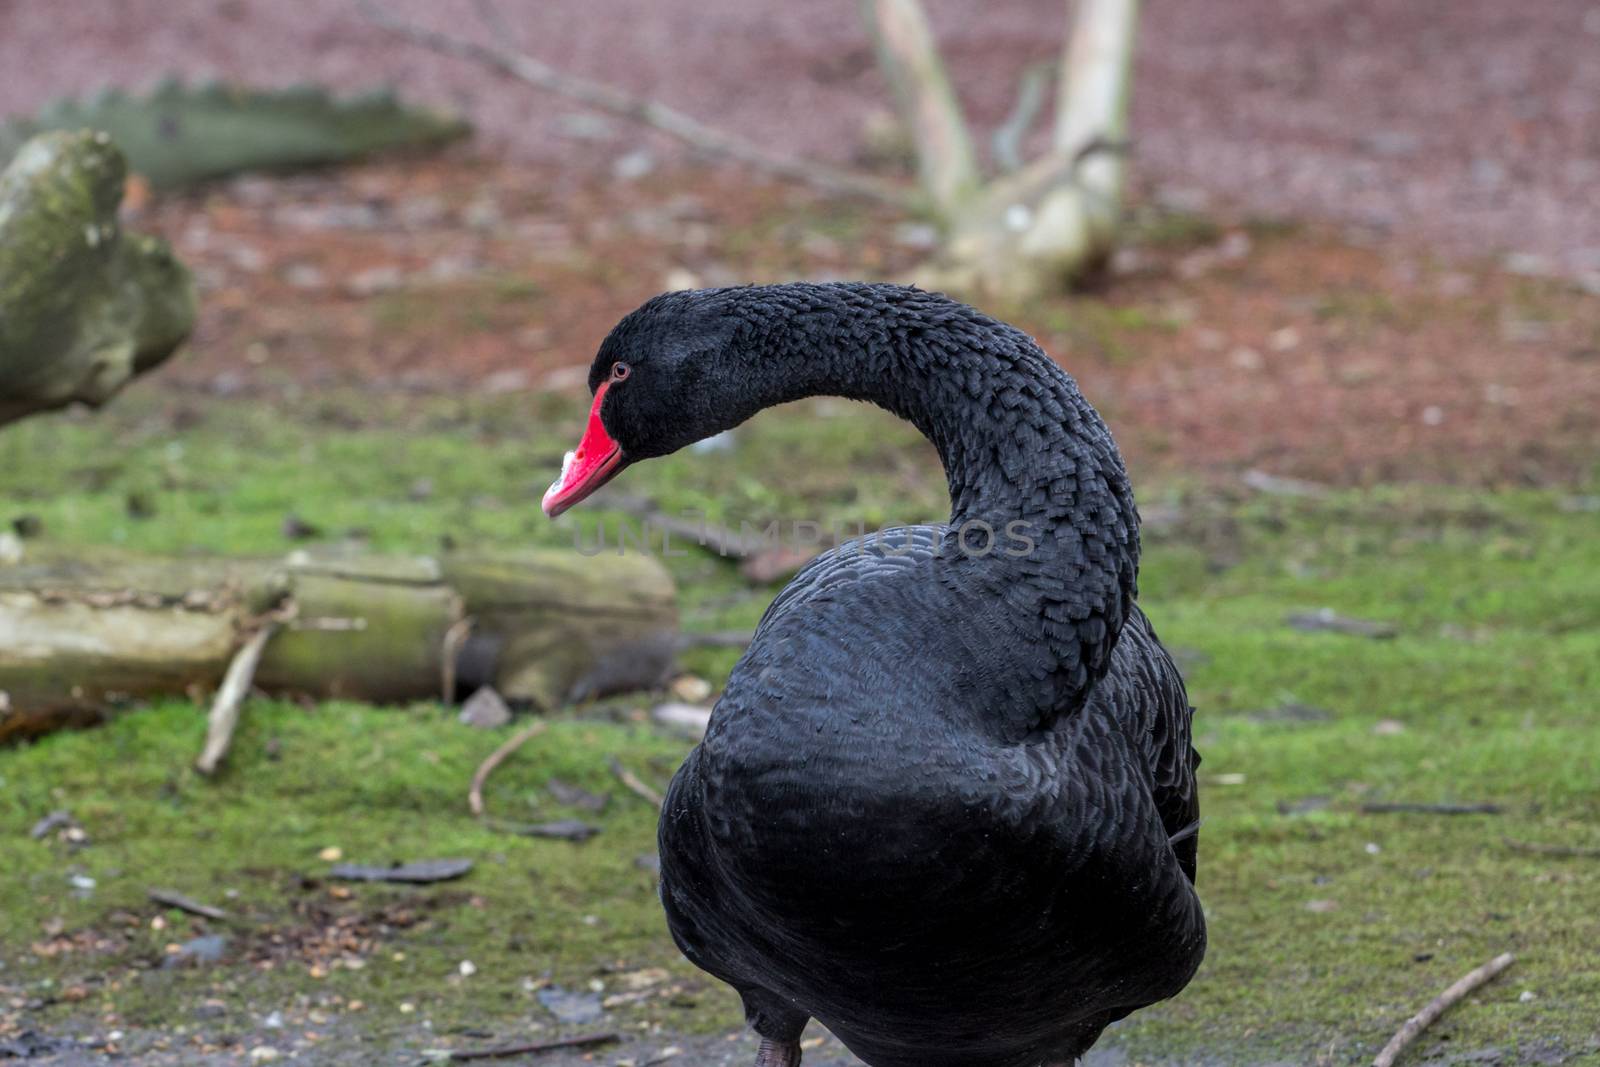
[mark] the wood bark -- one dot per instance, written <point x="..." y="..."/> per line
<point x="83" y="634"/>
<point x="83" y="306"/>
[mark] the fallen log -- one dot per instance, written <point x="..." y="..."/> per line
<point x="84" y="633"/>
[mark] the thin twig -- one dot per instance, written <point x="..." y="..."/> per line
<point x="449" y="653"/>
<point x="581" y="1041"/>
<point x="1538" y="849"/>
<point x="634" y="783"/>
<point x="1406" y="808"/>
<point x="225" y="707"/>
<point x="497" y="757"/>
<point x="1438" y="1006"/>
<point x="1006" y="141"/>
<point x="171" y="898"/>
<point x="668" y="120"/>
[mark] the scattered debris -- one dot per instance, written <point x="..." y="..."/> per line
<point x="532" y="1048"/>
<point x="486" y="709"/>
<point x="1379" y="808"/>
<point x="1388" y="728"/>
<point x="634" y="784"/>
<point x="418" y="872"/>
<point x="30" y="1044"/>
<point x="497" y="757"/>
<point x="171" y="898"/>
<point x="1304" y="805"/>
<point x="570" y="1006"/>
<point x="576" y="796"/>
<point x="1538" y="849"/>
<point x="563" y="829"/>
<point x="60" y="819"/>
<point x="1438" y="1006"/>
<point x="197" y="952"/>
<point x="297" y="529"/>
<point x="689" y="720"/>
<point x="1328" y="621"/>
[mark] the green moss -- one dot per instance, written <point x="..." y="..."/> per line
<point x="1328" y="927"/>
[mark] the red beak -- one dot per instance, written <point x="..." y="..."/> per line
<point x="597" y="459"/>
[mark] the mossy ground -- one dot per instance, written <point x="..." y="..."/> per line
<point x="1328" y="926"/>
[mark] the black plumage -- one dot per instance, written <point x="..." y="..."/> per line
<point x="936" y="805"/>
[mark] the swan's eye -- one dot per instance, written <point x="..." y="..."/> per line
<point x="620" y="372"/>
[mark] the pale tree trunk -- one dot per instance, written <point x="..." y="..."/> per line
<point x="947" y="166"/>
<point x="1045" y="226"/>
<point x="84" y="632"/>
<point x="1035" y="230"/>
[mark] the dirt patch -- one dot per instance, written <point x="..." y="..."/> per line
<point x="1220" y="346"/>
<point x="1470" y="124"/>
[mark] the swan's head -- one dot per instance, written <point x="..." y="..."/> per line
<point x="669" y="374"/>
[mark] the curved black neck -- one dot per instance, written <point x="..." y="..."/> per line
<point x="1018" y="441"/>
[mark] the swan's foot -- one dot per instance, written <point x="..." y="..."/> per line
<point x="778" y="1053"/>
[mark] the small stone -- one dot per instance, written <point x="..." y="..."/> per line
<point x="1246" y="358"/>
<point x="1322" y="907"/>
<point x="634" y="165"/>
<point x="689" y="720"/>
<point x="304" y="276"/>
<point x="569" y="1006"/>
<point x="486" y="709"/>
<point x="197" y="952"/>
<point x="263" y="1054"/>
<point x="467" y="968"/>
<point x="1372" y="848"/>
<point x="681" y="278"/>
<point x="331" y="854"/>
<point x="1284" y="340"/>
<point x="374" y="280"/>
<point x="690" y="688"/>
<point x="1389" y="727"/>
<point x="1527" y="996"/>
<point x="406" y="1007"/>
<point x="1432" y="415"/>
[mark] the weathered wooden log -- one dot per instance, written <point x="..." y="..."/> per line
<point x="83" y="306"/>
<point x="85" y="633"/>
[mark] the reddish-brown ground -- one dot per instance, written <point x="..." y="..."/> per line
<point x="1215" y="348"/>
<point x="1336" y="351"/>
<point x="1472" y="124"/>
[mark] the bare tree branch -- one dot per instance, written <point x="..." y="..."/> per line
<point x="1006" y="141"/>
<point x="230" y="696"/>
<point x="909" y="55"/>
<point x="615" y="101"/>
<point x="480" y="777"/>
<point x="1092" y="100"/>
<point x="1438" y="1006"/>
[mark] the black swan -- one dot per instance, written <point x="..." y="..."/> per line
<point x="946" y="804"/>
